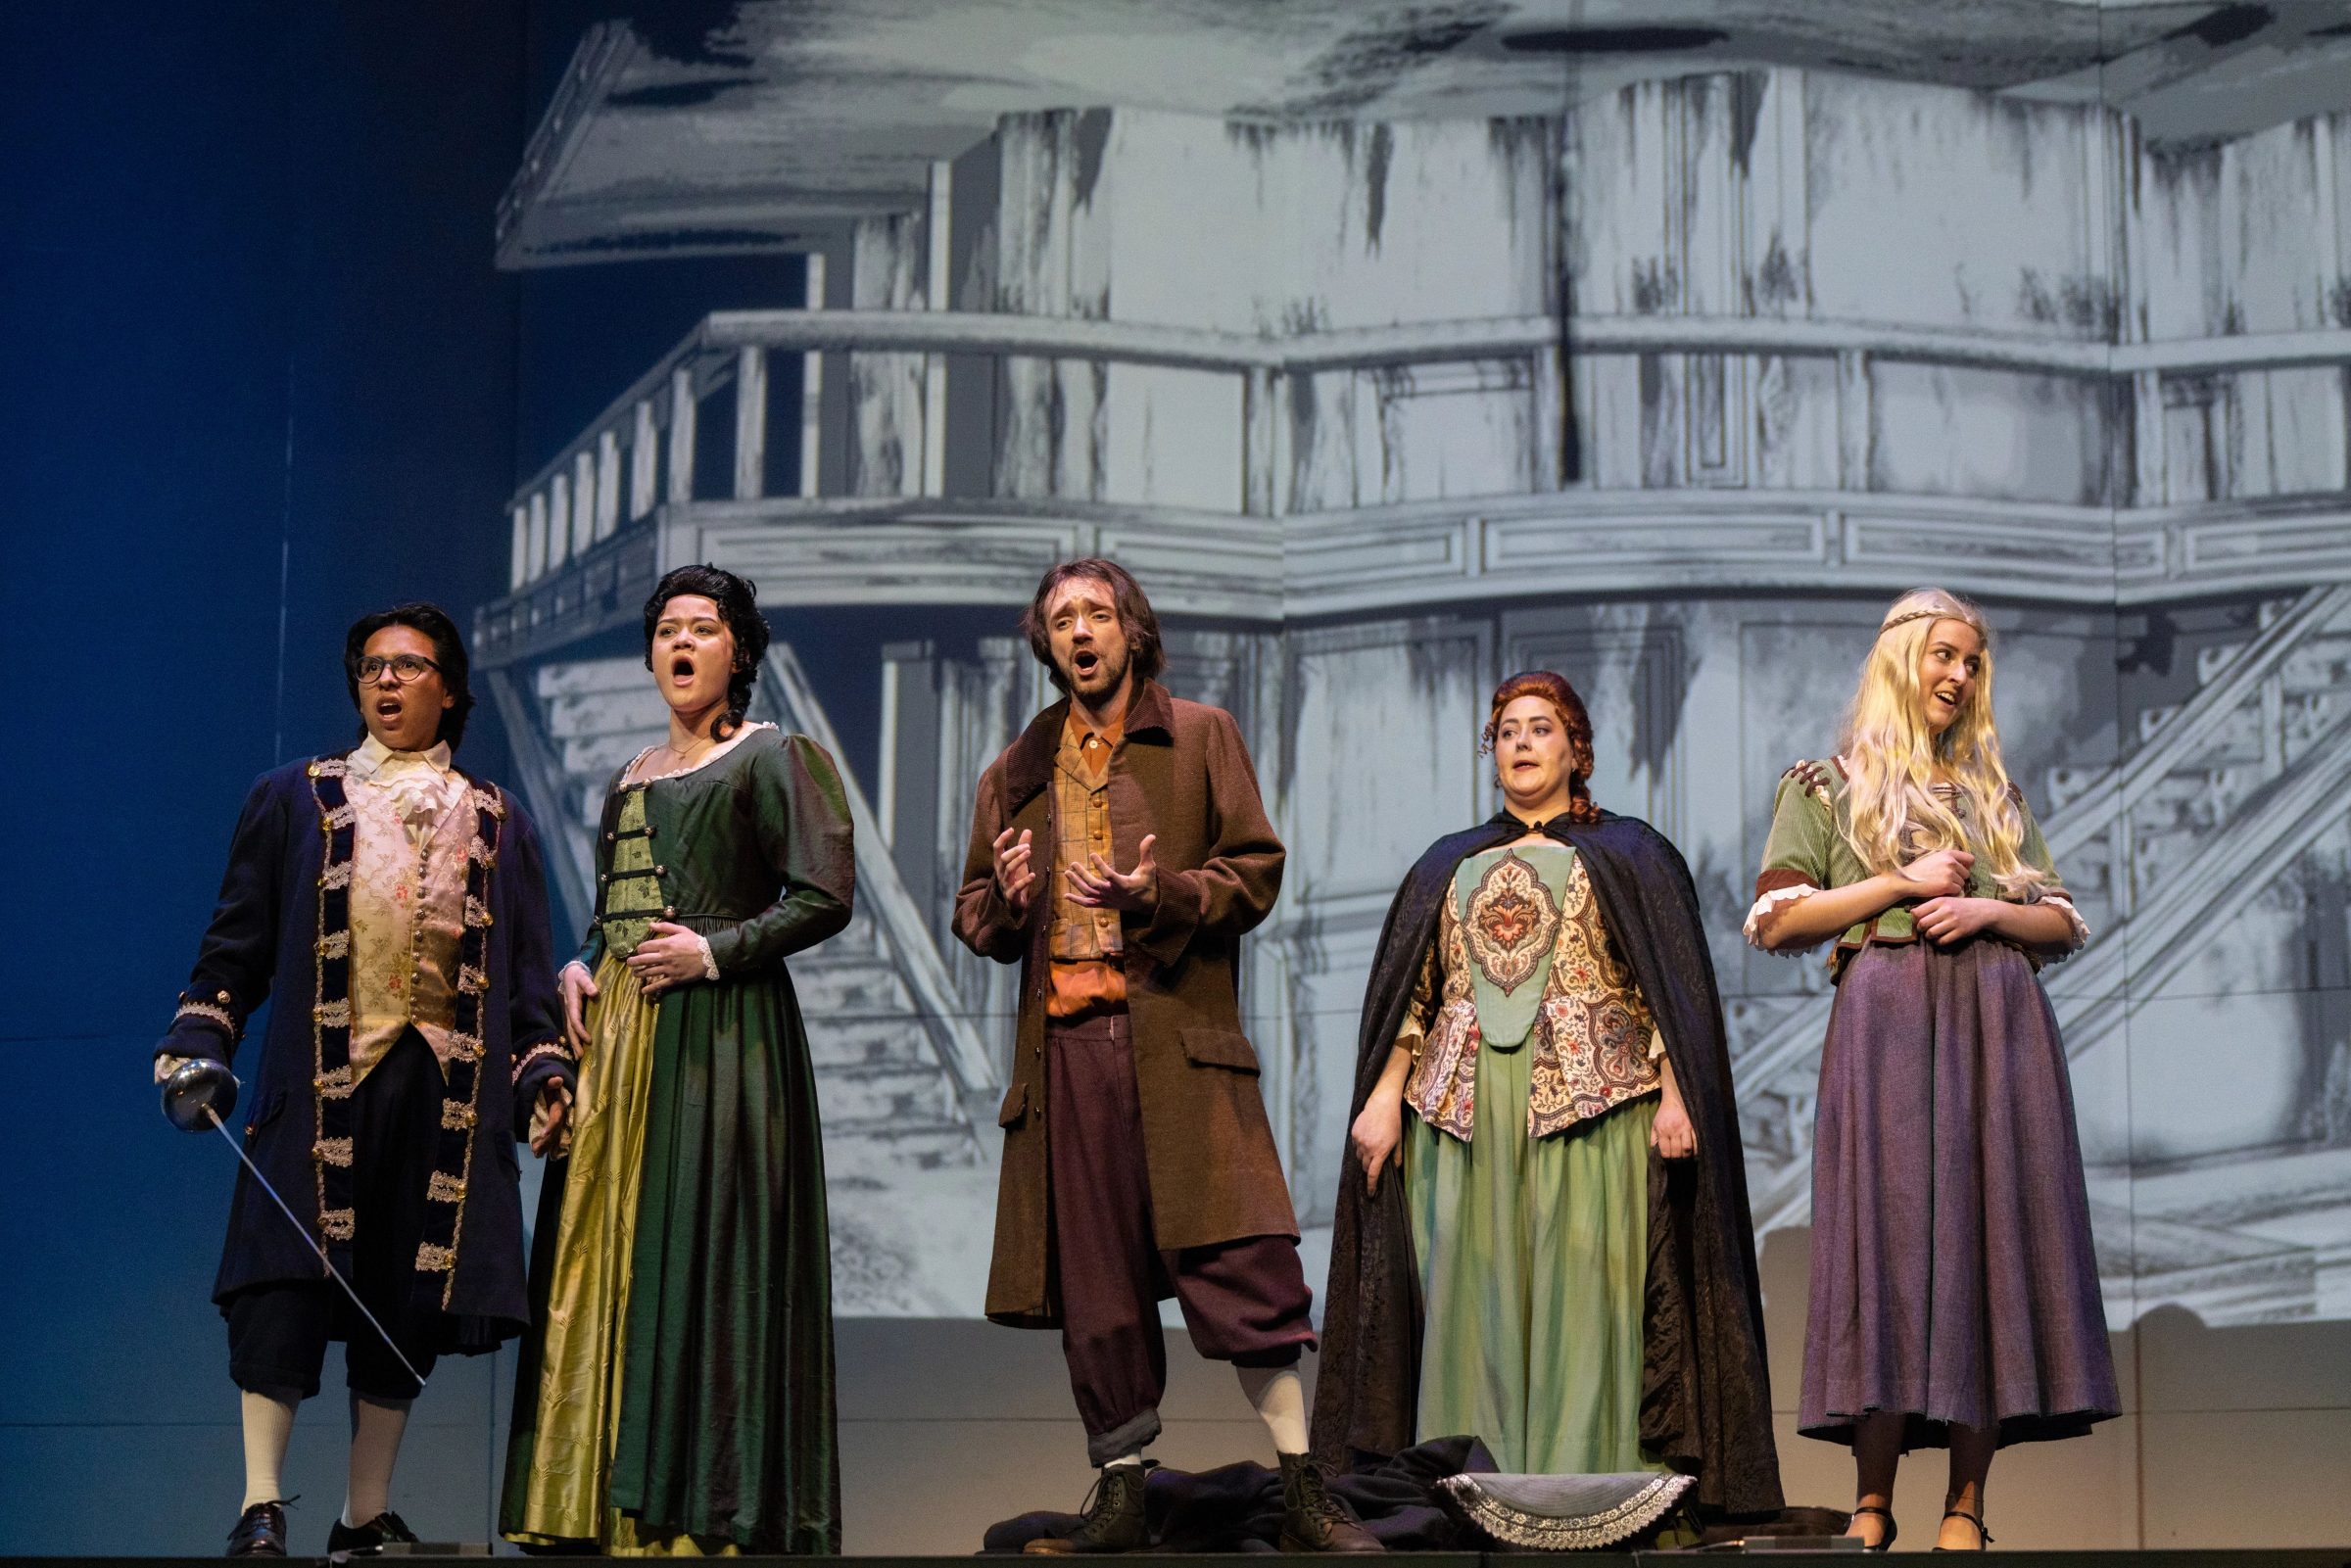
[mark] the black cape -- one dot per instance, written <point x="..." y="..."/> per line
<point x="1705" y="1403"/>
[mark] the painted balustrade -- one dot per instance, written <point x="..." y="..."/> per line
<point x="576" y="503"/>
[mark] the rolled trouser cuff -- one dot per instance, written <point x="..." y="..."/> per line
<point x="1131" y="1436"/>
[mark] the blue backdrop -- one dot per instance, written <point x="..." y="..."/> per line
<point x="264" y="379"/>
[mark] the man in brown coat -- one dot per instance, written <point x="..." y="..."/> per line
<point x="1137" y="1161"/>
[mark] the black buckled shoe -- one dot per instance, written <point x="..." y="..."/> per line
<point x="373" y="1535"/>
<point x="260" y="1532"/>
<point x="1312" y="1519"/>
<point x="1113" y="1519"/>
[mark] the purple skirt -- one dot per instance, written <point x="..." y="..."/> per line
<point x="1953" y="1277"/>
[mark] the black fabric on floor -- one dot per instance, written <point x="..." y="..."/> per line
<point x="1237" y="1507"/>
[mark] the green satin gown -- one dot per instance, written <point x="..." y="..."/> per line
<point x="676" y="1391"/>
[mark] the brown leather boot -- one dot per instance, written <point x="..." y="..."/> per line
<point x="1312" y="1519"/>
<point x="1112" y="1520"/>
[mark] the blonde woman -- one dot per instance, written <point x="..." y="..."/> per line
<point x="1954" y="1287"/>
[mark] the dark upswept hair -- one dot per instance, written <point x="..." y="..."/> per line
<point x="1552" y="687"/>
<point x="1126" y="596"/>
<point x="738" y="602"/>
<point x="448" y="652"/>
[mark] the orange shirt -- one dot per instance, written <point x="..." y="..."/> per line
<point x="1087" y="945"/>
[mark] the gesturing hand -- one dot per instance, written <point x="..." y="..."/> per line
<point x="578" y="986"/>
<point x="1015" y="878"/>
<point x="670" y="955"/>
<point x="1098" y="884"/>
<point x="1952" y="919"/>
<point x="1941" y="874"/>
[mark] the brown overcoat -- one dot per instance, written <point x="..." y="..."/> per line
<point x="1182" y="774"/>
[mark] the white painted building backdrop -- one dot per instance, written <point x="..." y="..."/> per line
<point x="1396" y="347"/>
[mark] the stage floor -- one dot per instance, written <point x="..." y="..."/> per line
<point x="2288" y="1557"/>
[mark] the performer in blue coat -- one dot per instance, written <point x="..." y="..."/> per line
<point x="398" y="908"/>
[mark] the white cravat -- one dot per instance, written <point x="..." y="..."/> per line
<point x="419" y="781"/>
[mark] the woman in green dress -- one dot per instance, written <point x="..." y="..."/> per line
<point x="1542" y="1057"/>
<point x="676" y="1394"/>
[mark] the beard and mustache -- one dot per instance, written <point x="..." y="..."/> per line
<point x="1096" y="667"/>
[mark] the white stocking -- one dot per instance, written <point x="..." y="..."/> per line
<point x="269" y="1427"/>
<point x="376" y="1426"/>
<point x="1280" y="1401"/>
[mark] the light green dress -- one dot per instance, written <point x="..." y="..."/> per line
<point x="1527" y="1174"/>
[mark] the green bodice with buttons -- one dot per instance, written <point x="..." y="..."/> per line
<point x="726" y="1327"/>
<point x="630" y="897"/>
<point x="751" y="851"/>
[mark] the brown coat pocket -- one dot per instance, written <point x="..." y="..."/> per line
<point x="1219" y="1048"/>
<point x="1014" y="1106"/>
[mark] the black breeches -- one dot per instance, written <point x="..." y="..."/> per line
<point x="277" y="1332"/>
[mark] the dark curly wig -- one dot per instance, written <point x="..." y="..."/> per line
<point x="448" y="652"/>
<point x="1553" y="689"/>
<point x="738" y="602"/>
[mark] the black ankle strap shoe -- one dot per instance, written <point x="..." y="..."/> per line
<point x="1982" y="1536"/>
<point x="1884" y="1543"/>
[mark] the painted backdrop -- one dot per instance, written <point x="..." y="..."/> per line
<point x="1398" y="347"/>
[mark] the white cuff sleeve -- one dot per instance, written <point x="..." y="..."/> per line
<point x="1767" y="905"/>
<point x="2073" y="918"/>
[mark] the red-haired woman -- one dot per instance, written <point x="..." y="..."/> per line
<point x="1542" y="1237"/>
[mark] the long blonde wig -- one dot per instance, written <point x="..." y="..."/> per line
<point x="1891" y="757"/>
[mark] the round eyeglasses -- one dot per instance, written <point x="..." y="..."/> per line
<point x="405" y="668"/>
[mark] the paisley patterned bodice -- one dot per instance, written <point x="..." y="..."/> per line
<point x="1523" y="957"/>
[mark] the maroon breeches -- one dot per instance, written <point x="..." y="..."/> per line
<point x="1245" y="1300"/>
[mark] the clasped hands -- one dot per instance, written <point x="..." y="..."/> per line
<point x="1095" y="884"/>
<point x="1947" y="916"/>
